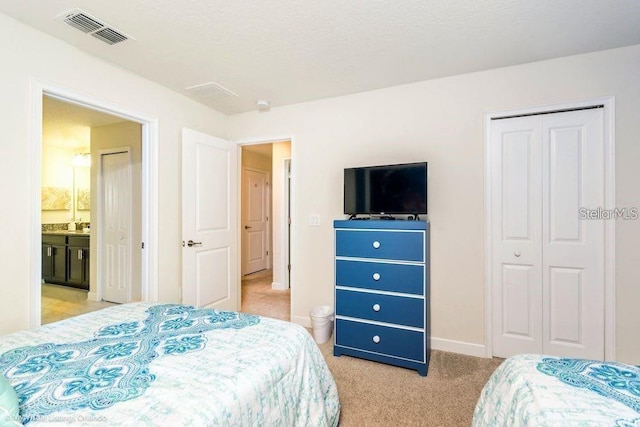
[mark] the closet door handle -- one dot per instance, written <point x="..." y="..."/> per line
<point x="48" y="250"/>
<point x="517" y="254"/>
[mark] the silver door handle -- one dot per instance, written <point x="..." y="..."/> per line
<point x="246" y="227"/>
<point x="192" y="243"/>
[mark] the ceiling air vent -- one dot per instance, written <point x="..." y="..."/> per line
<point x="88" y="24"/>
<point x="109" y="35"/>
<point x="210" y="91"/>
<point x="83" y="22"/>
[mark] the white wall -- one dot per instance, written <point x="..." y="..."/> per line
<point x="41" y="57"/>
<point x="441" y="121"/>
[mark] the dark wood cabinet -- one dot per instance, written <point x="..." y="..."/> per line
<point x="65" y="260"/>
<point x="54" y="258"/>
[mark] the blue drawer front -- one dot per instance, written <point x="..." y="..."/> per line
<point x="403" y="278"/>
<point x="397" y="245"/>
<point x="390" y="309"/>
<point x="392" y="341"/>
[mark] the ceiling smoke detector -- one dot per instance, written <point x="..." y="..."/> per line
<point x="91" y="25"/>
<point x="263" y="105"/>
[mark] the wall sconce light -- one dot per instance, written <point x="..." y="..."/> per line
<point x="82" y="160"/>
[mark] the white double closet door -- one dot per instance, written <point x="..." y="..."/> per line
<point x="547" y="262"/>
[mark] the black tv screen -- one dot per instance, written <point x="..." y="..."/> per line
<point x="389" y="189"/>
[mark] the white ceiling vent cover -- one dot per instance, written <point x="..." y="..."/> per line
<point x="210" y="91"/>
<point x="86" y="23"/>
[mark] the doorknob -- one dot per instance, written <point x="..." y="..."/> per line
<point x="517" y="253"/>
<point x="192" y="243"/>
<point x="247" y="227"/>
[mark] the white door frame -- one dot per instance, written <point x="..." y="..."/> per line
<point x="288" y="182"/>
<point x="609" y="226"/>
<point x="282" y="266"/>
<point x="149" y="188"/>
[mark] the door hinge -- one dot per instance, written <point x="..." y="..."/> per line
<point x="142" y="245"/>
<point x="289" y="267"/>
<point x="267" y="252"/>
<point x="267" y="219"/>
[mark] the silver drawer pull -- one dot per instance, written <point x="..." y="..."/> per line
<point x="376" y="244"/>
<point x="376" y="276"/>
<point x="376" y="339"/>
<point x="376" y="307"/>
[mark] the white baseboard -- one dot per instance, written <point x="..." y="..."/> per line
<point x="92" y="296"/>
<point x="469" y="349"/>
<point x="278" y="286"/>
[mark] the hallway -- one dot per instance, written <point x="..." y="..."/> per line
<point x="258" y="297"/>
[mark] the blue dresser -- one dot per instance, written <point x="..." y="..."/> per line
<point x="382" y="291"/>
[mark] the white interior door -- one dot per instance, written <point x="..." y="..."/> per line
<point x="573" y="248"/>
<point x="548" y="280"/>
<point x="209" y="221"/>
<point x="254" y="227"/>
<point x="115" y="169"/>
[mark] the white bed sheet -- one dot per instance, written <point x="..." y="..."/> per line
<point x="269" y="373"/>
<point x="535" y="390"/>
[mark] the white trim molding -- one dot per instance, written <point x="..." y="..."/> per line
<point x="150" y="228"/>
<point x="609" y="200"/>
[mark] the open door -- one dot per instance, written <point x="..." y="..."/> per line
<point x="209" y="221"/>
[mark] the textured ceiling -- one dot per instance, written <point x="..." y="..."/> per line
<point x="289" y="51"/>
<point x="63" y="121"/>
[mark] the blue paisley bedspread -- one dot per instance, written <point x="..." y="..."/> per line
<point x="533" y="390"/>
<point x="146" y="364"/>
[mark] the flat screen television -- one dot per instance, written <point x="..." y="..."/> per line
<point x="386" y="190"/>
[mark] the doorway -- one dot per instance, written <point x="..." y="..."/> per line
<point x="75" y="142"/>
<point x="42" y="93"/>
<point x="550" y="281"/>
<point x="265" y="202"/>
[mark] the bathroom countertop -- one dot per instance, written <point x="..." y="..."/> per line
<point x="67" y="233"/>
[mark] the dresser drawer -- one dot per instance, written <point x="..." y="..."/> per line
<point x="390" y="341"/>
<point x="396" y="245"/>
<point x="381" y="308"/>
<point x="379" y="276"/>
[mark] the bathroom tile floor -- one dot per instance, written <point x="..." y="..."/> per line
<point x="60" y="302"/>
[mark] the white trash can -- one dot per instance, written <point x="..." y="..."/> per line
<point x="321" y="323"/>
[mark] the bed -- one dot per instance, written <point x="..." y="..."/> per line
<point x="169" y="364"/>
<point x="534" y="390"/>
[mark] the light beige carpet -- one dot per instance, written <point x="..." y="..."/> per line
<point x="374" y="394"/>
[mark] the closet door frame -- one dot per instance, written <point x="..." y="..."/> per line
<point x="608" y="104"/>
